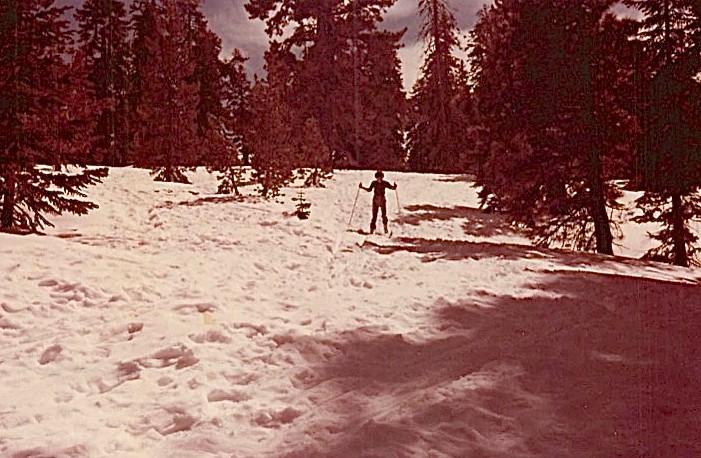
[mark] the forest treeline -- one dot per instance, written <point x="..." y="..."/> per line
<point x="550" y="104"/>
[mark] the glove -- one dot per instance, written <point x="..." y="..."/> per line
<point x="360" y="185"/>
<point x="395" y="184"/>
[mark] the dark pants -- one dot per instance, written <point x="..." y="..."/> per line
<point x="378" y="204"/>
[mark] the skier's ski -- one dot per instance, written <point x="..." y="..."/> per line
<point x="364" y="232"/>
<point x="372" y="239"/>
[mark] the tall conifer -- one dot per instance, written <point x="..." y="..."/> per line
<point x="273" y="132"/>
<point x="45" y="120"/>
<point x="205" y="48"/>
<point x="236" y="104"/>
<point x="166" y="135"/>
<point x="378" y="127"/>
<point x="102" y="39"/>
<point x="548" y="98"/>
<point x="142" y="25"/>
<point x="330" y="37"/>
<point x="669" y="159"/>
<point x="438" y="135"/>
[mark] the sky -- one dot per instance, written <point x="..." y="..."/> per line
<point x="229" y="20"/>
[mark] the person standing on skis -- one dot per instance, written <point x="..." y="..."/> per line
<point x="378" y="200"/>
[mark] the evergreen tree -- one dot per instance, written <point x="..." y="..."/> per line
<point x="302" y="207"/>
<point x="207" y="74"/>
<point x="166" y="135"/>
<point x="437" y="138"/>
<point x="329" y="36"/>
<point x="142" y="26"/>
<point x="669" y="159"/>
<point x="45" y="120"/>
<point x="273" y="133"/>
<point x="548" y="98"/>
<point x="73" y="119"/>
<point x="236" y="94"/>
<point x="102" y="38"/>
<point x="313" y="154"/>
<point x="378" y="126"/>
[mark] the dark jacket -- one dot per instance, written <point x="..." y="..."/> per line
<point x="379" y="189"/>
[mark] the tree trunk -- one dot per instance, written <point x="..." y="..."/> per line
<point x="594" y="144"/>
<point x="8" y="200"/>
<point x="602" y="227"/>
<point x="678" y="232"/>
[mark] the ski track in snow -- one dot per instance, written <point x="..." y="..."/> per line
<point x="172" y="322"/>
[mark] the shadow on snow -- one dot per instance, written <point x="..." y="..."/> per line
<point x="593" y="365"/>
<point x="476" y="222"/>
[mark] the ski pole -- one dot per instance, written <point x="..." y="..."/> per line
<point x="399" y="209"/>
<point x="353" y="211"/>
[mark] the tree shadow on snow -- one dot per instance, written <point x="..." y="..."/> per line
<point x="456" y="178"/>
<point x="457" y="250"/>
<point x="431" y="250"/>
<point x="476" y="222"/>
<point x="594" y="365"/>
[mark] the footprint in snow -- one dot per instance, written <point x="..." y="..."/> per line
<point x="124" y="372"/>
<point x="178" y="355"/>
<point x="198" y="307"/>
<point x="275" y="419"/>
<point x="211" y="336"/>
<point x="50" y="354"/>
<point x="11" y="308"/>
<point x="360" y="283"/>
<point x="8" y="325"/>
<point x="218" y="395"/>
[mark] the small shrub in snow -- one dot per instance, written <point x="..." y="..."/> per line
<point x="302" y="209"/>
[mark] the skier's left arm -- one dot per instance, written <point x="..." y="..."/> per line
<point x="391" y="186"/>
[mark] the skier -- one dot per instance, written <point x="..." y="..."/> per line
<point x="378" y="199"/>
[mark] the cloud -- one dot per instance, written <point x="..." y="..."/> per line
<point x="405" y="13"/>
<point x="230" y="21"/>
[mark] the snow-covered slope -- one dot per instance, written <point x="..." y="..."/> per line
<point x="175" y="323"/>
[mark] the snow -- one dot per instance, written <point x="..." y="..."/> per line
<point x="173" y="322"/>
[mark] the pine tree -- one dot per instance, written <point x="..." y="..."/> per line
<point x="302" y="207"/>
<point x="236" y="100"/>
<point x="207" y="75"/>
<point x="142" y="26"/>
<point x="273" y="133"/>
<point x="328" y="36"/>
<point x="437" y="137"/>
<point x="166" y="135"/>
<point x="549" y="101"/>
<point x="378" y="126"/>
<point x="236" y="94"/>
<point x="102" y="38"/>
<point x="313" y="154"/>
<point x="45" y="120"/>
<point x="669" y="159"/>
